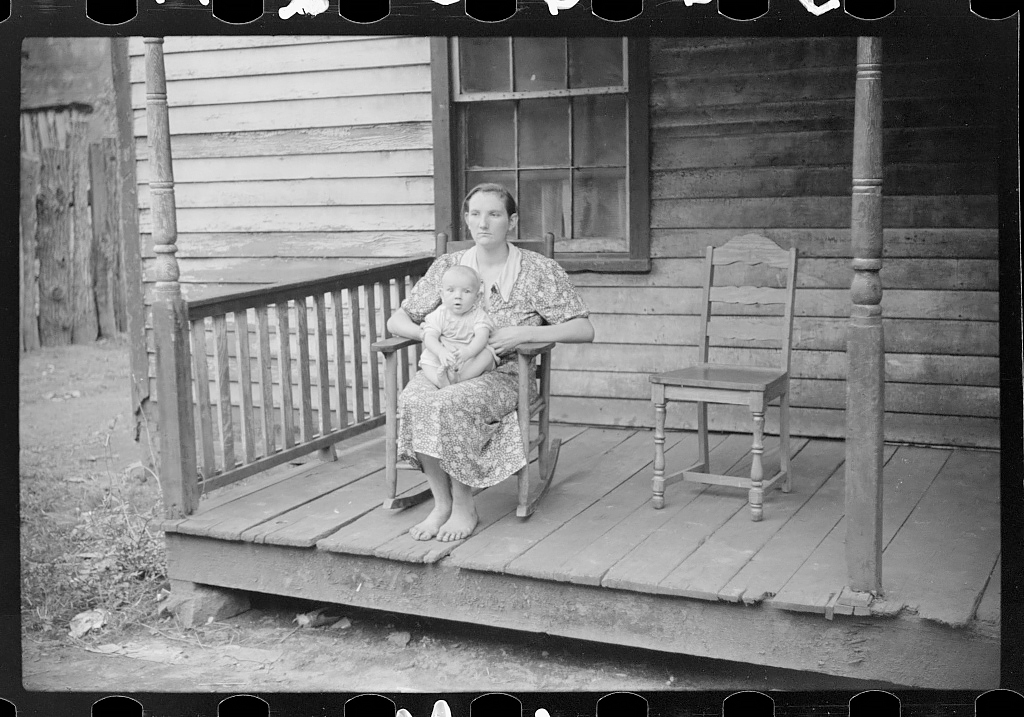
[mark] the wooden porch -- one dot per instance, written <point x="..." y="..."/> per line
<point x="597" y="562"/>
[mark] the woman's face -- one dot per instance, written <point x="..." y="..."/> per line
<point x="488" y="220"/>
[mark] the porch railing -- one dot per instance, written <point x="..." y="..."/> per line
<point x="278" y="372"/>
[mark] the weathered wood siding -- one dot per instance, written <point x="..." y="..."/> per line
<point x="293" y="156"/>
<point x="756" y="135"/>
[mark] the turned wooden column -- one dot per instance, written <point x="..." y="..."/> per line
<point x="170" y="313"/>
<point x="865" y="347"/>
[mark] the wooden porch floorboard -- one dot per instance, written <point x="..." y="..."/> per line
<point x="706" y="571"/>
<point x="596" y="526"/>
<point x="941" y="558"/>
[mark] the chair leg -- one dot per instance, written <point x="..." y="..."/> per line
<point x="756" y="467"/>
<point x="702" y="436"/>
<point x="391" y="426"/>
<point x="784" y="442"/>
<point x="660" y="408"/>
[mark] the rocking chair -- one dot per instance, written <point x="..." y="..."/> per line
<point x="750" y="386"/>
<point x="547" y="449"/>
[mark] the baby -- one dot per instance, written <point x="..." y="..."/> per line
<point x="455" y="333"/>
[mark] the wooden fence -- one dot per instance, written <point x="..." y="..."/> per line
<point x="70" y="253"/>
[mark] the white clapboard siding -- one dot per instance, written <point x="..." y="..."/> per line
<point x="293" y="157"/>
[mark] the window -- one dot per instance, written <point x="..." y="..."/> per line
<point x="563" y="123"/>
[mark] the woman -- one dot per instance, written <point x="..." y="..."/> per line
<point x="466" y="436"/>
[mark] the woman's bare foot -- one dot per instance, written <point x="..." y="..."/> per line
<point x="463" y="517"/>
<point x="429" y="527"/>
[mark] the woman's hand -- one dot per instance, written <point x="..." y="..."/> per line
<point x="506" y="339"/>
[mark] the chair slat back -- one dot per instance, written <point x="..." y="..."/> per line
<point x="751" y="305"/>
<point x="545" y="246"/>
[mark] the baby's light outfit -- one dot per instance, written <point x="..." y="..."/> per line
<point x="456" y="331"/>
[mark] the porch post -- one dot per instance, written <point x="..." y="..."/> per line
<point x="170" y="313"/>
<point x="865" y="352"/>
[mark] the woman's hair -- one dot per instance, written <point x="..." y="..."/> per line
<point x="491" y="188"/>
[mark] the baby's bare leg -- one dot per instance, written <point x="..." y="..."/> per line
<point x="436" y="376"/>
<point x="476" y="366"/>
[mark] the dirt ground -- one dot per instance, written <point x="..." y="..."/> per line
<point x="76" y="433"/>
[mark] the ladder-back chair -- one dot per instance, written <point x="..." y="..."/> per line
<point x="539" y="407"/>
<point x="743" y="260"/>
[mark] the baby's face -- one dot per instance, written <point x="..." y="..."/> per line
<point x="459" y="293"/>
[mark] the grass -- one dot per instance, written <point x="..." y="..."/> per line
<point x="88" y="541"/>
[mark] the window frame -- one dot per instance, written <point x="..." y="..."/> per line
<point x="448" y="206"/>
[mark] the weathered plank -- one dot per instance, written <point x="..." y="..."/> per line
<point x="937" y="399"/>
<point x="896" y="303"/>
<point x="106" y="233"/>
<point x="592" y="465"/>
<point x="589" y="565"/>
<point x="201" y="384"/>
<point x="787" y="549"/>
<point x="400" y="79"/>
<point x="899" y="179"/>
<point x="906" y="477"/>
<point x="223" y="383"/>
<point x="826" y="423"/>
<point x="84" y="327"/>
<point x="953" y="211"/>
<point x="330" y="218"/>
<point x="385" y="533"/>
<point x="230" y="520"/>
<point x="54" y="246"/>
<point x="266" y="378"/>
<point x="366" y="52"/>
<point x="661" y="550"/>
<point x="296" y="114"/>
<point x="725" y="552"/>
<point x="816" y="148"/>
<point x="319" y="192"/>
<point x="245" y="380"/>
<point x="316" y="522"/>
<point x="284" y="246"/>
<point x="958" y="521"/>
<point x="28" y="254"/>
<point x="914" y="368"/>
<point x="913" y="242"/>
<point x="555" y="555"/>
<point x="402" y="144"/>
<point x="176" y="45"/>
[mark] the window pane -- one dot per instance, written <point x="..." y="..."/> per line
<point x="544" y="133"/>
<point x="599" y="130"/>
<point x="483" y="64"/>
<point x="506" y="179"/>
<point x="544" y="203"/>
<point x="599" y="203"/>
<point x="595" y="62"/>
<point x="490" y="139"/>
<point x="539" y="63"/>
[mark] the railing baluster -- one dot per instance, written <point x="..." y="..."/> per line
<point x="266" y="380"/>
<point x="284" y="362"/>
<point x="227" y="429"/>
<point x="202" y="382"/>
<point x="245" y="382"/>
<point x="305" y="388"/>
<point x="323" y="371"/>
<point x="371" y="332"/>
<point x="339" y="357"/>
<point x="357" y="353"/>
<point x="405" y="353"/>
<point x="316" y="433"/>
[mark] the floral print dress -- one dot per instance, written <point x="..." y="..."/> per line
<point x="471" y="427"/>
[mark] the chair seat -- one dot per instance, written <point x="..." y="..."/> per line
<point x="709" y="375"/>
